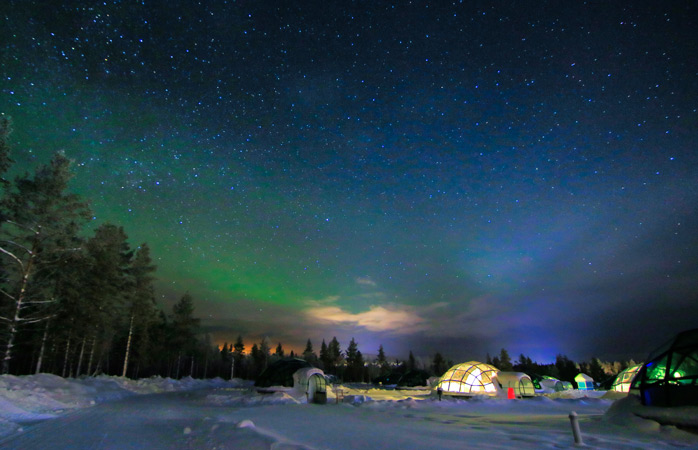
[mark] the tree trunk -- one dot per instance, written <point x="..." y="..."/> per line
<point x="92" y="354"/>
<point x="179" y="357"/>
<point x="128" y="347"/>
<point x="67" y="352"/>
<point x="82" y="355"/>
<point x="43" y="347"/>
<point x="14" y="322"/>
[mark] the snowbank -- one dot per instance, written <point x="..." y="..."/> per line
<point x="32" y="398"/>
<point x="221" y="414"/>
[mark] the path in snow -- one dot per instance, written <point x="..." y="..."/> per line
<point x="212" y="419"/>
<point x="157" y="421"/>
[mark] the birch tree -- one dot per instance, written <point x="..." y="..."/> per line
<point x="105" y="290"/>
<point x="141" y="308"/>
<point x="40" y="220"/>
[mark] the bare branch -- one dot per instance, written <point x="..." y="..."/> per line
<point x="38" y="302"/>
<point x="11" y="255"/>
<point x="26" y="249"/>
<point x="18" y="225"/>
<point x="8" y="294"/>
<point x="37" y="320"/>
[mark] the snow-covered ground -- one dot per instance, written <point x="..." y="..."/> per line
<point x="45" y="411"/>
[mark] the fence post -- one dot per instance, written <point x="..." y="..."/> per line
<point x="574" y="421"/>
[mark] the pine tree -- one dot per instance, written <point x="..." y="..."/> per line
<point x="355" y="362"/>
<point x="438" y="365"/>
<point x="185" y="327"/>
<point x="309" y="354"/>
<point x="5" y="160"/>
<point x="382" y="361"/>
<point x="256" y="361"/>
<point x="265" y="353"/>
<point x="334" y="356"/>
<point x="105" y="290"/>
<point x="504" y="361"/>
<point x="596" y="370"/>
<point x="39" y="223"/>
<point x="279" y="352"/>
<point x="141" y="308"/>
<point x="225" y="353"/>
<point x="238" y="356"/>
<point x="411" y="362"/>
<point x="325" y="361"/>
<point x="566" y="368"/>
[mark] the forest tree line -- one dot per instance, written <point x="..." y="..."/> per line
<point x="77" y="302"/>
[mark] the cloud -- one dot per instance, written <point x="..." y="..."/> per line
<point x="398" y="319"/>
<point x="366" y="281"/>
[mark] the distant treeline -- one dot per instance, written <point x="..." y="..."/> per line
<point x="563" y="368"/>
<point x="76" y="303"/>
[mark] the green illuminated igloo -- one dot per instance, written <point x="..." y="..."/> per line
<point x="670" y="375"/>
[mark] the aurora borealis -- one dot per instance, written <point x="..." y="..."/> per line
<point x="430" y="176"/>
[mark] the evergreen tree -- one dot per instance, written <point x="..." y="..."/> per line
<point x="504" y="362"/>
<point x="382" y="362"/>
<point x="185" y="328"/>
<point x="334" y="356"/>
<point x="359" y="367"/>
<point x="141" y="307"/>
<point x="39" y="223"/>
<point x="5" y="160"/>
<point x="238" y="356"/>
<point x="411" y="362"/>
<point x="105" y="289"/>
<point x="226" y="353"/>
<point x="566" y="368"/>
<point x="325" y="361"/>
<point x="438" y="365"/>
<point x="595" y="370"/>
<point x="68" y="292"/>
<point x="279" y="351"/>
<point x="265" y="353"/>
<point x="256" y="361"/>
<point x="353" y="371"/>
<point x="526" y="365"/>
<point x="309" y="355"/>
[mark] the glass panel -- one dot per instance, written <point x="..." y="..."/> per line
<point x="656" y="370"/>
<point x="685" y="365"/>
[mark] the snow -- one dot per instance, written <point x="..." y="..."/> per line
<point x="46" y="411"/>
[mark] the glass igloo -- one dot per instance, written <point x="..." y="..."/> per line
<point x="470" y="378"/>
<point x="625" y="378"/>
<point x="670" y="375"/>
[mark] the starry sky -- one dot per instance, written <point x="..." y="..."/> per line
<point x="430" y="176"/>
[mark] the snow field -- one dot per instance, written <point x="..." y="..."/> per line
<point x="112" y="412"/>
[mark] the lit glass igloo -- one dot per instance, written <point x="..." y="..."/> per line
<point x="625" y="378"/>
<point x="470" y="378"/>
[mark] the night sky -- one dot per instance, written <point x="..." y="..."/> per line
<point x="429" y="176"/>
